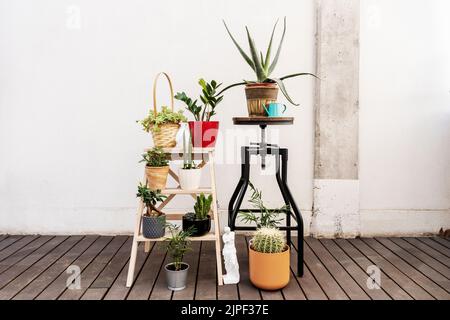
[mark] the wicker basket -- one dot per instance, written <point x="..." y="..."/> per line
<point x="166" y="133"/>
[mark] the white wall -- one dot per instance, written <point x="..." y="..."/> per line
<point x="71" y="90"/>
<point x="404" y="116"/>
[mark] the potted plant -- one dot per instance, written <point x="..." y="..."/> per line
<point x="190" y="174"/>
<point x="164" y="126"/>
<point x="153" y="221"/>
<point x="203" y="130"/>
<point x="156" y="168"/>
<point x="177" y="245"/>
<point x="200" y="219"/>
<point x="264" y="89"/>
<point x="269" y="255"/>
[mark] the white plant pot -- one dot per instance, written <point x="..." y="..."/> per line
<point x="190" y="178"/>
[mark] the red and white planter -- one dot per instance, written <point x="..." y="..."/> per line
<point x="204" y="133"/>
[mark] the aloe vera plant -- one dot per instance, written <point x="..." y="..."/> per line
<point x="261" y="64"/>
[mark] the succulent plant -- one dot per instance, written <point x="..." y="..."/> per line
<point x="202" y="206"/>
<point x="188" y="158"/>
<point x="155" y="157"/>
<point x="262" y="65"/>
<point x="268" y="240"/>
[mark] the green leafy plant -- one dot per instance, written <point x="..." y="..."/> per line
<point x="150" y="199"/>
<point x="178" y="244"/>
<point x="268" y="240"/>
<point x="266" y="217"/>
<point x="202" y="206"/>
<point x="209" y="98"/>
<point x="155" y="157"/>
<point x="152" y="122"/>
<point x="188" y="156"/>
<point x="261" y="64"/>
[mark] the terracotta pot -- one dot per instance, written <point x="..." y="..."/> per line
<point x="258" y="95"/>
<point x="269" y="271"/>
<point x="157" y="177"/>
<point x="204" y="133"/>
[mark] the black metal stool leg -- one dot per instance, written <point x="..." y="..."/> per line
<point x="239" y="193"/>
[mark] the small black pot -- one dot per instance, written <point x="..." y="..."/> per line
<point x="153" y="227"/>
<point x="202" y="227"/>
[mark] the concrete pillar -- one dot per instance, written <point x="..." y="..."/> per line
<point x="336" y="187"/>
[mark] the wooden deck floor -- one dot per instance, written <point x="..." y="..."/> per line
<point x="34" y="267"/>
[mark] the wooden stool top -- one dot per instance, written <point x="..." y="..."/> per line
<point x="263" y="120"/>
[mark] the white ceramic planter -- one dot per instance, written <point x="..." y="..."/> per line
<point x="189" y="178"/>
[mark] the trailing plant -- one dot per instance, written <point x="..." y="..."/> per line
<point x="266" y="217"/>
<point x="261" y="64"/>
<point x="152" y="122"/>
<point x="188" y="156"/>
<point x="150" y="199"/>
<point x="155" y="157"/>
<point x="202" y="206"/>
<point x="178" y="244"/>
<point x="209" y="98"/>
<point x="268" y="240"/>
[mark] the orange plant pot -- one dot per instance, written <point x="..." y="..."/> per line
<point x="157" y="177"/>
<point x="269" y="271"/>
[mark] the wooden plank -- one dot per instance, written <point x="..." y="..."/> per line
<point x="428" y="285"/>
<point x="3" y="237"/>
<point x="90" y="273"/>
<point x="57" y="287"/>
<point x="16" y="246"/>
<point x="433" y="263"/>
<point x="143" y="285"/>
<point x="436" y="246"/>
<point x="394" y="273"/>
<point x="40" y="283"/>
<point x="246" y="290"/>
<point x="23" y="253"/>
<point x="160" y="290"/>
<point x="442" y="241"/>
<point x="308" y="283"/>
<point x="119" y="290"/>
<point x="206" y="280"/>
<point x="429" y="250"/>
<point x="323" y="277"/>
<point x="6" y="242"/>
<point x="356" y="271"/>
<point x="429" y="272"/>
<point x="387" y="284"/>
<point x="114" y="266"/>
<point x="346" y="282"/>
<point x="35" y="264"/>
<point x="94" y="294"/>
<point x="192" y="258"/>
<point x="293" y="290"/>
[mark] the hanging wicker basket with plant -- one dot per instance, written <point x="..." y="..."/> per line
<point x="163" y="125"/>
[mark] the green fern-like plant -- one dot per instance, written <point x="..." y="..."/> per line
<point x="155" y="157"/>
<point x="263" y="65"/>
<point x="202" y="206"/>
<point x="152" y="122"/>
<point x="268" y="240"/>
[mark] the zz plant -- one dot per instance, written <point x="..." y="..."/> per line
<point x="202" y="206"/>
<point x="209" y="98"/>
<point x="264" y="65"/>
<point x="268" y="240"/>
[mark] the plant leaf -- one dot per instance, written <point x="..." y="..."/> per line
<point x="277" y="55"/>
<point x="258" y="67"/>
<point x="269" y="49"/>
<point x="244" y="55"/>
<point x="230" y="86"/>
<point x="283" y="90"/>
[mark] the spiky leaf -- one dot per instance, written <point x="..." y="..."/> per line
<point x="283" y="90"/>
<point x="277" y="55"/>
<point x="244" y="55"/>
<point x="258" y="67"/>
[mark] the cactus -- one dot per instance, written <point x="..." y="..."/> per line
<point x="268" y="240"/>
<point x="202" y="206"/>
<point x="188" y="162"/>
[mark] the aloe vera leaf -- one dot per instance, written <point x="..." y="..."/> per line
<point x="283" y="90"/>
<point x="277" y="55"/>
<point x="258" y="67"/>
<point x="244" y="55"/>
<point x="269" y="49"/>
